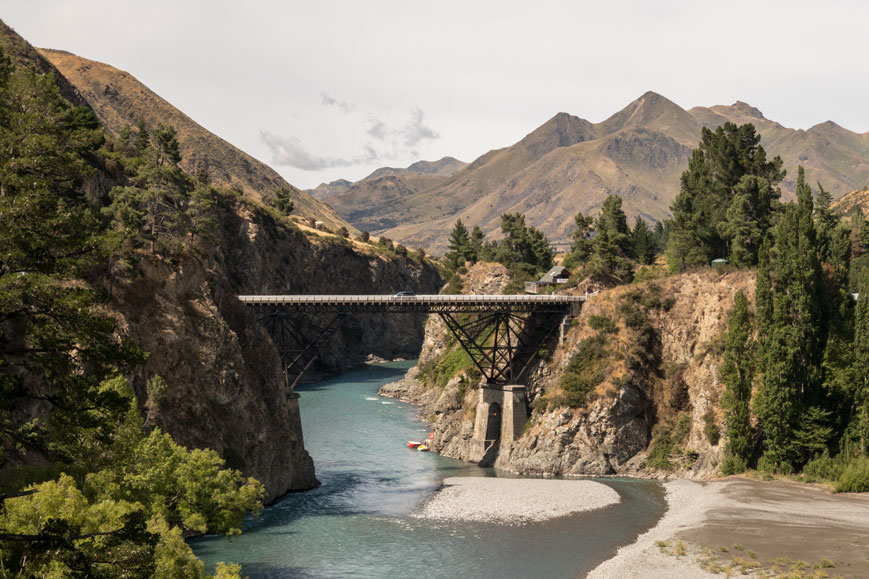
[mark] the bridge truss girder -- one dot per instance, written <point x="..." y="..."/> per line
<point x="495" y="340"/>
<point x="298" y="344"/>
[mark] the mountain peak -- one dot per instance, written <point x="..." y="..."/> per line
<point x="652" y="111"/>
<point x="747" y="110"/>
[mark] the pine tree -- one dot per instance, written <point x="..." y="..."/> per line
<point x="701" y="229"/>
<point x="643" y="243"/>
<point x="737" y="374"/>
<point x="582" y="246"/>
<point x="612" y="244"/>
<point x="793" y="328"/>
<point x="861" y="360"/>
<point x="460" y="245"/>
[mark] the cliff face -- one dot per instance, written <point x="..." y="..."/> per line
<point x="226" y="390"/>
<point x="628" y="414"/>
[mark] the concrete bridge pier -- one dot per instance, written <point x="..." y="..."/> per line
<point x="502" y="411"/>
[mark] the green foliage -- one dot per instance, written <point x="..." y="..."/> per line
<point x="612" y="247"/>
<point x="439" y="371"/>
<point x="282" y="201"/>
<point x="791" y="326"/>
<point x="459" y="249"/>
<point x="710" y="427"/>
<point x="587" y="368"/>
<point x="95" y="509"/>
<point x="727" y="199"/>
<point x="737" y="374"/>
<point x="855" y="476"/>
<point x="667" y="440"/>
<point x="643" y="243"/>
<point x="603" y="324"/>
<point x="524" y="248"/>
<point x="581" y="249"/>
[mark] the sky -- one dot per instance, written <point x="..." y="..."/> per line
<point x="323" y="90"/>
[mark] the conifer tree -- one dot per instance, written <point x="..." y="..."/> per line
<point x="861" y="360"/>
<point x="582" y="246"/>
<point x="460" y="245"/>
<point x="642" y="242"/>
<point x="790" y="317"/>
<point x="701" y="227"/>
<point x="737" y="374"/>
<point x="612" y="244"/>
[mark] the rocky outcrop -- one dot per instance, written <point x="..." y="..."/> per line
<point x="226" y="390"/>
<point x="611" y="433"/>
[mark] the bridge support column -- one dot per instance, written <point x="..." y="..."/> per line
<point x="502" y="411"/>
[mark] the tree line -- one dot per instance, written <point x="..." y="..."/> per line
<point x="89" y="488"/>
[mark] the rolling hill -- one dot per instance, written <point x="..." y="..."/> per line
<point x="118" y="99"/>
<point x="569" y="164"/>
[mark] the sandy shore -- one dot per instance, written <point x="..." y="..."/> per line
<point x="515" y="501"/>
<point x="748" y="527"/>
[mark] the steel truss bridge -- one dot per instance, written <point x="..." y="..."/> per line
<point x="497" y="331"/>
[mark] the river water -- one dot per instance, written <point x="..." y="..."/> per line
<point x="358" y="523"/>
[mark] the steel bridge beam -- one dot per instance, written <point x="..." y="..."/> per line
<point x="493" y="330"/>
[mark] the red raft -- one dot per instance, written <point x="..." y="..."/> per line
<point x="413" y="443"/>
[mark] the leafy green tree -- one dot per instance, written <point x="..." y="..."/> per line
<point x="523" y="248"/>
<point x="166" y="146"/>
<point x="282" y="200"/>
<point x="582" y="247"/>
<point x="737" y="374"/>
<point x="460" y="245"/>
<point x="643" y="244"/>
<point x="476" y="242"/>
<point x="701" y="228"/>
<point x="143" y="137"/>
<point x="612" y="244"/>
<point x="787" y="403"/>
<point x="861" y="360"/>
<point x="826" y="222"/>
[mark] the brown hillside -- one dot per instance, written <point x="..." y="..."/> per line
<point x="22" y="53"/>
<point x="851" y="201"/>
<point x="119" y="99"/>
<point x="569" y="164"/>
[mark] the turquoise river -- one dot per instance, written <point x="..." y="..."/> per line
<point x="359" y="522"/>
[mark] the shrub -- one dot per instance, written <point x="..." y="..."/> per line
<point x="602" y="324"/>
<point x="713" y="434"/>
<point x="855" y="477"/>
<point x="585" y="370"/>
<point x="731" y="464"/>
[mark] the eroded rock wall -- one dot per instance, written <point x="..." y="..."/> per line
<point x="611" y="433"/>
<point x="226" y="390"/>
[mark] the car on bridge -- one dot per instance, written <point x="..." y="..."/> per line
<point x="405" y="293"/>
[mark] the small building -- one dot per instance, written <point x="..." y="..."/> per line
<point x="555" y="276"/>
<point x="720" y="262"/>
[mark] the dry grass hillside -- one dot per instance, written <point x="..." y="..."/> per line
<point x="851" y="201"/>
<point x="119" y="99"/>
<point x="569" y="164"/>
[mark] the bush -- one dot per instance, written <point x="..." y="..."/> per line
<point x="855" y="478"/>
<point x="602" y="324"/>
<point x="731" y="464"/>
<point x="713" y="434"/>
<point x="585" y="370"/>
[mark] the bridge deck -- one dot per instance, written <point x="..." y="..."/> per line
<point x="415" y="303"/>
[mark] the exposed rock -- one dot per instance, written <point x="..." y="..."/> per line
<point x="226" y="390"/>
<point x="611" y="433"/>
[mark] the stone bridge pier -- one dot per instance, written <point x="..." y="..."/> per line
<point x="502" y="411"/>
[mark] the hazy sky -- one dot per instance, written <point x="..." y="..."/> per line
<point x="326" y="90"/>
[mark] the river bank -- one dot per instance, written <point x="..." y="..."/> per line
<point x="749" y="527"/>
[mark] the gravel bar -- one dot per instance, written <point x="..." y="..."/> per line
<point x="515" y="500"/>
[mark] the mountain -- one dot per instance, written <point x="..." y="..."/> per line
<point x="569" y="164"/>
<point x="362" y="202"/>
<point x="118" y="99"/>
<point x="848" y="202"/>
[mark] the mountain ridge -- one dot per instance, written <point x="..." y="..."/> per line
<point x="569" y="164"/>
<point x="118" y="99"/>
